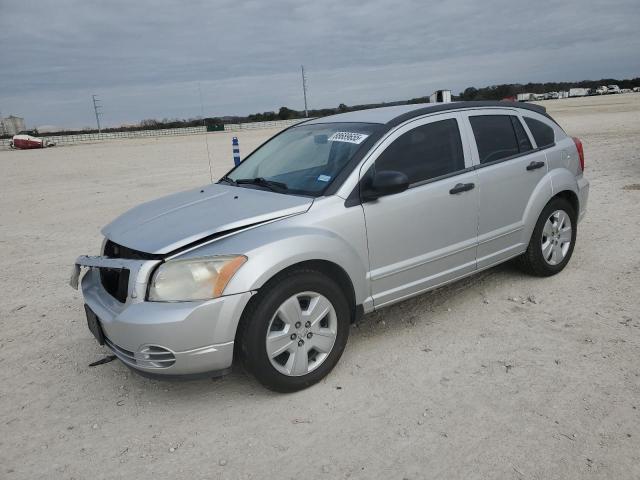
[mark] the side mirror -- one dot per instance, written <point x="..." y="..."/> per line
<point x="385" y="182"/>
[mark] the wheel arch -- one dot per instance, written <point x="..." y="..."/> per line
<point x="558" y="182"/>
<point x="571" y="197"/>
<point x="328" y="268"/>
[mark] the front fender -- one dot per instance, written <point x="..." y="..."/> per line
<point x="331" y="233"/>
<point x="295" y="246"/>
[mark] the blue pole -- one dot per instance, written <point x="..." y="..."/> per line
<point x="236" y="151"/>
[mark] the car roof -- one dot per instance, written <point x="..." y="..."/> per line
<point x="400" y="113"/>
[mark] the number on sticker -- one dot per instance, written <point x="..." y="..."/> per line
<point x="349" y="137"/>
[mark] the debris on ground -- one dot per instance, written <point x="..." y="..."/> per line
<point x="107" y="359"/>
<point x="301" y="420"/>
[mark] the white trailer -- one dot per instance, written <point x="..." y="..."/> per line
<point x="578" y="92"/>
<point x="440" y="96"/>
<point x="524" y="97"/>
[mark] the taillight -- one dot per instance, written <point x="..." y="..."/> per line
<point x="578" y="143"/>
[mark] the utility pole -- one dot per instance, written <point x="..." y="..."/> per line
<point x="304" y="91"/>
<point x="97" y="109"/>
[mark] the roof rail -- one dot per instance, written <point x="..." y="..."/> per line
<point x="443" y="107"/>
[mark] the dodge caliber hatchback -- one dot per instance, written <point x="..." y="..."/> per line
<point x="330" y="219"/>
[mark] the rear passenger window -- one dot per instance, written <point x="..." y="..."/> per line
<point x="542" y="133"/>
<point x="495" y="137"/>
<point x="426" y="152"/>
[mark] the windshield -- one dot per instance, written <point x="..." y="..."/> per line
<point x="304" y="159"/>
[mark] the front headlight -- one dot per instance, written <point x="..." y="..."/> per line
<point x="193" y="279"/>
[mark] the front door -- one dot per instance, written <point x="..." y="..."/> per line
<point x="426" y="235"/>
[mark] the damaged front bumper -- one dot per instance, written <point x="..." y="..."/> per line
<point x="159" y="339"/>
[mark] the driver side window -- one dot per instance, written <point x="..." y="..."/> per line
<point x="425" y="152"/>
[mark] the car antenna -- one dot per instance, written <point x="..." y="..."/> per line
<point x="206" y="139"/>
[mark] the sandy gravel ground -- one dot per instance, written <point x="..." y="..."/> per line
<point x="499" y="376"/>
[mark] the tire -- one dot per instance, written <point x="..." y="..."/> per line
<point x="271" y="320"/>
<point x="541" y="261"/>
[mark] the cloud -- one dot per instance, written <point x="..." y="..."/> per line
<point x="146" y="59"/>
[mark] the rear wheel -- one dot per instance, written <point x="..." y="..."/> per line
<point x="552" y="241"/>
<point x="295" y="331"/>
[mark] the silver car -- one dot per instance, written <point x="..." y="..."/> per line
<point x="328" y="220"/>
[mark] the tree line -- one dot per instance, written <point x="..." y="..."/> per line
<point x="492" y="92"/>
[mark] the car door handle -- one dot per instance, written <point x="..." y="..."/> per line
<point x="462" y="187"/>
<point x="535" y="165"/>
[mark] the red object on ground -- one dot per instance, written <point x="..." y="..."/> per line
<point x="24" y="142"/>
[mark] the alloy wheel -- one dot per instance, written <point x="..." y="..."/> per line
<point x="556" y="237"/>
<point x="301" y="333"/>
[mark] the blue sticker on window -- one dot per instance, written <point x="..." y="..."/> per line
<point x="324" y="178"/>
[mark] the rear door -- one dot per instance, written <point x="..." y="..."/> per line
<point x="509" y="169"/>
<point x="425" y="235"/>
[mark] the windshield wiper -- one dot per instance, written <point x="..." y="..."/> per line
<point x="263" y="182"/>
<point x="228" y="180"/>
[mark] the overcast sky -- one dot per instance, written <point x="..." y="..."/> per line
<point x="145" y="59"/>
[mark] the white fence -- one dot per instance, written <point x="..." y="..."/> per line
<point x="97" y="137"/>
<point x="234" y="127"/>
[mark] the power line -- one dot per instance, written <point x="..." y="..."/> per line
<point x="97" y="108"/>
<point x="206" y="136"/>
<point x="304" y="90"/>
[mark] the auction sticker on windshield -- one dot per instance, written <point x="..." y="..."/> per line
<point x="349" y="137"/>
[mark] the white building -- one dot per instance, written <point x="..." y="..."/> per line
<point x="11" y="125"/>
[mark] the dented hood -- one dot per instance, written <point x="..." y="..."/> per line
<point x="171" y="222"/>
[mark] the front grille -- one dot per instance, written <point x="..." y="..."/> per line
<point x="115" y="282"/>
<point x="151" y="356"/>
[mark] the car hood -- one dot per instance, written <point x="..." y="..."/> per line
<point x="169" y="223"/>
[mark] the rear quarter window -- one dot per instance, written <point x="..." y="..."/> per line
<point x="542" y="133"/>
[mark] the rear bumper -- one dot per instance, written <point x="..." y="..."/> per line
<point x="198" y="336"/>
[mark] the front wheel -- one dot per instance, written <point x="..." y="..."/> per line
<point x="552" y="241"/>
<point x="294" y="332"/>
